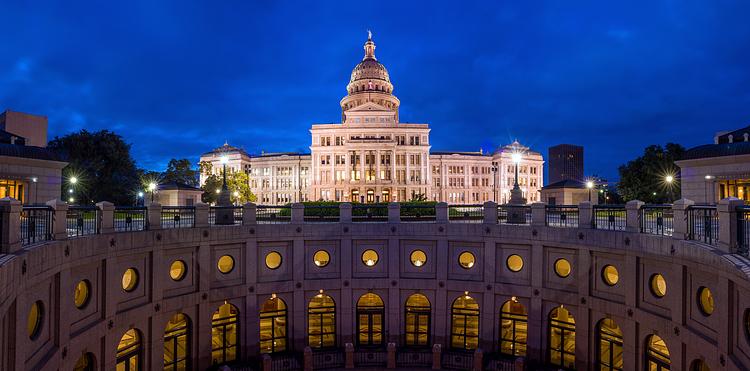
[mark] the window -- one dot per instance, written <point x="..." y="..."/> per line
<point x="699" y="365"/>
<point x="417" y="330"/>
<point x="81" y="294"/>
<point x="321" y="258"/>
<point x="273" y="260"/>
<point x="129" y="351"/>
<point x="34" y="321"/>
<point x="466" y="260"/>
<point x="514" y="263"/>
<point x="610" y="275"/>
<point x="85" y="363"/>
<point x="657" y="354"/>
<point x="224" y="334"/>
<point x="273" y="326"/>
<point x="370" y="257"/>
<point x="609" y="356"/>
<point x="513" y="328"/>
<point x="562" y="267"/>
<point x="321" y="322"/>
<point x="705" y="301"/>
<point x="130" y="279"/>
<point x="465" y="323"/>
<point x="562" y="338"/>
<point x="658" y="285"/>
<point x="177" y="270"/>
<point x="225" y="264"/>
<point x="177" y="343"/>
<point x="418" y="258"/>
<point x="370" y="314"/>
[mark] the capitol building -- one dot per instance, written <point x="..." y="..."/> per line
<point x="371" y="156"/>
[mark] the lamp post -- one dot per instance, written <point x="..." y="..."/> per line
<point x="152" y="189"/>
<point x="139" y="199"/>
<point x="589" y="186"/>
<point x="669" y="179"/>
<point x="516" y="195"/>
<point x="708" y="181"/>
<point x="73" y="181"/>
<point x="494" y="181"/>
<point x="224" y="214"/>
<point x="34" y="180"/>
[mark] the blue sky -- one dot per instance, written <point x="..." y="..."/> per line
<point x="178" y="78"/>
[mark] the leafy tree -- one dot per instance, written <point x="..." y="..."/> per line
<point x="101" y="163"/>
<point x="644" y="178"/>
<point x="180" y="171"/>
<point x="236" y="182"/>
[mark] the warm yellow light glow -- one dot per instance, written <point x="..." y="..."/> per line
<point x="589" y="184"/>
<point x="321" y="258"/>
<point x="236" y="194"/>
<point x="73" y="180"/>
<point x="224" y="159"/>
<point x="218" y="191"/>
<point x="669" y="178"/>
<point x="152" y="186"/>
<point x="516" y="157"/>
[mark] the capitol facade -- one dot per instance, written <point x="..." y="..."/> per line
<point x="371" y="156"/>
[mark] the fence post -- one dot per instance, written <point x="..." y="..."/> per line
<point x="59" y="219"/>
<point x="307" y="359"/>
<point x="345" y="212"/>
<point x="249" y="213"/>
<point x="441" y="212"/>
<point x="680" y="211"/>
<point x="538" y="214"/>
<point x="490" y="212"/>
<point x="728" y="224"/>
<point x="586" y="215"/>
<point x="391" y="362"/>
<point x="153" y="213"/>
<point x="267" y="365"/>
<point x="478" y="362"/>
<point x="10" y="225"/>
<point x="633" y="216"/>
<point x="437" y="357"/>
<point x="106" y="222"/>
<point x="201" y="215"/>
<point x="298" y="213"/>
<point x="394" y="212"/>
<point x="349" y="355"/>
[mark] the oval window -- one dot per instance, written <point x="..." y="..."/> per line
<point x="514" y="263"/>
<point x="81" y="294"/>
<point x="225" y="264"/>
<point x="562" y="267"/>
<point x="273" y="260"/>
<point x="130" y="279"/>
<point x="705" y="301"/>
<point x="370" y="258"/>
<point x="610" y="275"/>
<point x="321" y="258"/>
<point x="658" y="285"/>
<point x="418" y="258"/>
<point x="34" y="322"/>
<point x="177" y="270"/>
<point x="466" y="260"/>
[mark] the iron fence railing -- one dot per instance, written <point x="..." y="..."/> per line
<point x="177" y="217"/>
<point x="323" y="359"/>
<point x="466" y="213"/>
<point x="413" y="213"/>
<point x="225" y="215"/>
<point x="370" y="358"/>
<point x="82" y="220"/>
<point x="321" y="213"/>
<point x="369" y="213"/>
<point x="36" y="224"/>
<point x="286" y="362"/>
<point x="499" y="362"/>
<point x="565" y="216"/>
<point x="703" y="224"/>
<point x="266" y="214"/>
<point x="610" y="217"/>
<point x="743" y="230"/>
<point x="410" y="358"/>
<point x="657" y="219"/>
<point x="458" y="360"/>
<point x="130" y="218"/>
<point x="514" y="214"/>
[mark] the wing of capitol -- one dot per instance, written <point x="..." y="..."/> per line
<point x="373" y="157"/>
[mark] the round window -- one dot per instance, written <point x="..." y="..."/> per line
<point x="370" y="258"/>
<point x="34" y="322"/>
<point x="705" y="301"/>
<point x="658" y="285"/>
<point x="514" y="263"/>
<point x="81" y="294"/>
<point x="321" y="258"/>
<point x="225" y="264"/>
<point x="177" y="270"/>
<point x="130" y="279"/>
<point x="610" y="275"/>
<point x="466" y="260"/>
<point x="562" y="267"/>
<point x="418" y="258"/>
<point x="273" y="260"/>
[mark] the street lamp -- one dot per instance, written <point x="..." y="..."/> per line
<point x="152" y="188"/>
<point x="139" y="198"/>
<point x="589" y="186"/>
<point x="33" y="180"/>
<point x="708" y="180"/>
<point x="669" y="179"/>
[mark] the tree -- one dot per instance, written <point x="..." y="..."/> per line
<point x="101" y="163"/>
<point x="644" y="178"/>
<point x="180" y="171"/>
<point x="236" y="182"/>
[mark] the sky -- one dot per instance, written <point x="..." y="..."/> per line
<point x="179" y="78"/>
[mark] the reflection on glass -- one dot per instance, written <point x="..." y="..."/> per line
<point x="658" y="285"/>
<point x="610" y="275"/>
<point x="417" y="321"/>
<point x="224" y="334"/>
<point x="370" y="258"/>
<point x="466" y="260"/>
<point x="706" y="301"/>
<point x="129" y="351"/>
<point x="321" y="258"/>
<point x="177" y="343"/>
<point x="657" y="354"/>
<point x="273" y="326"/>
<point x="85" y="363"/>
<point x="370" y="313"/>
<point x="610" y="346"/>
<point x="81" y="294"/>
<point x="418" y="258"/>
<point x="465" y="323"/>
<point x="513" y="328"/>
<point x="321" y="320"/>
<point x="177" y="270"/>
<point x="562" y="338"/>
<point x="130" y="279"/>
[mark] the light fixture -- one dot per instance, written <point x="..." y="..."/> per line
<point x="236" y="194"/>
<point x="224" y="159"/>
<point x="151" y="186"/>
<point x="709" y="177"/>
<point x="669" y="178"/>
<point x="589" y="184"/>
<point x="71" y="199"/>
<point x="218" y="191"/>
<point x="33" y="179"/>
<point x="516" y="157"/>
<point x="140" y="194"/>
<point x="73" y="180"/>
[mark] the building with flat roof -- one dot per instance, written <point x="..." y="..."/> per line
<point x="565" y="163"/>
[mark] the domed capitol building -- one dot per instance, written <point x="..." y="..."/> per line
<point x="465" y="283"/>
<point x="373" y="157"/>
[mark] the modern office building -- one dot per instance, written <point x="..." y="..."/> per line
<point x="565" y="163"/>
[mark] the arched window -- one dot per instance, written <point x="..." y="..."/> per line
<point x="129" y="351"/>
<point x="699" y="365"/>
<point x="465" y="323"/>
<point x="657" y="354"/>
<point x="370" y="314"/>
<point x="321" y="322"/>
<point x="562" y="338"/>
<point x="513" y="328"/>
<point x="417" y="320"/>
<point x="85" y="363"/>
<point x="273" y="328"/>
<point x="224" y="334"/>
<point x="609" y="355"/>
<point x="177" y="343"/>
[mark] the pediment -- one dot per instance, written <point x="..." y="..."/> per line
<point x="369" y="107"/>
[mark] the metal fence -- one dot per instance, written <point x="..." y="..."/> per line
<point x="565" y="216"/>
<point x="703" y="224"/>
<point x="610" y="217"/>
<point x="412" y="213"/>
<point x="457" y="360"/>
<point x="370" y="358"/>
<point x="225" y="215"/>
<point x="369" y="213"/>
<point x="657" y="219"/>
<point x="410" y="358"/>
<point x="286" y="362"/>
<point x="178" y="217"/>
<point x="82" y="220"/>
<point x="266" y="214"/>
<point x="466" y="213"/>
<point x="514" y="214"/>
<point x="130" y="218"/>
<point x="36" y="224"/>
<point x="321" y="213"/>
<point x="323" y="359"/>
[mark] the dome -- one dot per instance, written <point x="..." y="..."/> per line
<point x="369" y="75"/>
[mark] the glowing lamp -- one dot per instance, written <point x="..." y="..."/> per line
<point x="589" y="184"/>
<point x="516" y="157"/>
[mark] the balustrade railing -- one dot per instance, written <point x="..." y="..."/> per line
<point x="369" y="213"/>
<point x="225" y="215"/>
<point x="458" y="360"/>
<point x="286" y="362"/>
<point x="321" y="213"/>
<point x="370" y="358"/>
<point x="130" y="218"/>
<point x="266" y="214"/>
<point x="466" y="213"/>
<point x="703" y="224"/>
<point x="36" y="224"/>
<point x="743" y="230"/>
<point x="414" y="213"/>
<point x="514" y="214"/>
<point x="565" y="216"/>
<point x="657" y="219"/>
<point x="323" y="359"/>
<point x="177" y="217"/>
<point x="610" y="217"/>
<point x="82" y="220"/>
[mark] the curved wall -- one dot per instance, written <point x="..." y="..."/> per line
<point x="49" y="272"/>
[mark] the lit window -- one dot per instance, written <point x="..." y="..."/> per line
<point x="418" y="258"/>
<point x="273" y="326"/>
<point x="698" y="365"/>
<point x="130" y="279"/>
<point x="177" y="270"/>
<point x="417" y="320"/>
<point x="513" y="328"/>
<point x="562" y="267"/>
<point x="562" y="338"/>
<point x="657" y="354"/>
<point x="658" y="285"/>
<point x="514" y="263"/>
<point x="177" y="343"/>
<point x="85" y="363"/>
<point x="321" y="258"/>
<point x="610" y="275"/>
<point x="466" y="260"/>
<point x="224" y="336"/>
<point x="273" y="260"/>
<point x="129" y="351"/>
<point x="225" y="264"/>
<point x="321" y="322"/>
<point x="370" y="257"/>
<point x="34" y="322"/>
<point x="465" y="323"/>
<point x="81" y="294"/>
<point x="610" y="355"/>
<point x="370" y="317"/>
<point x="705" y="301"/>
